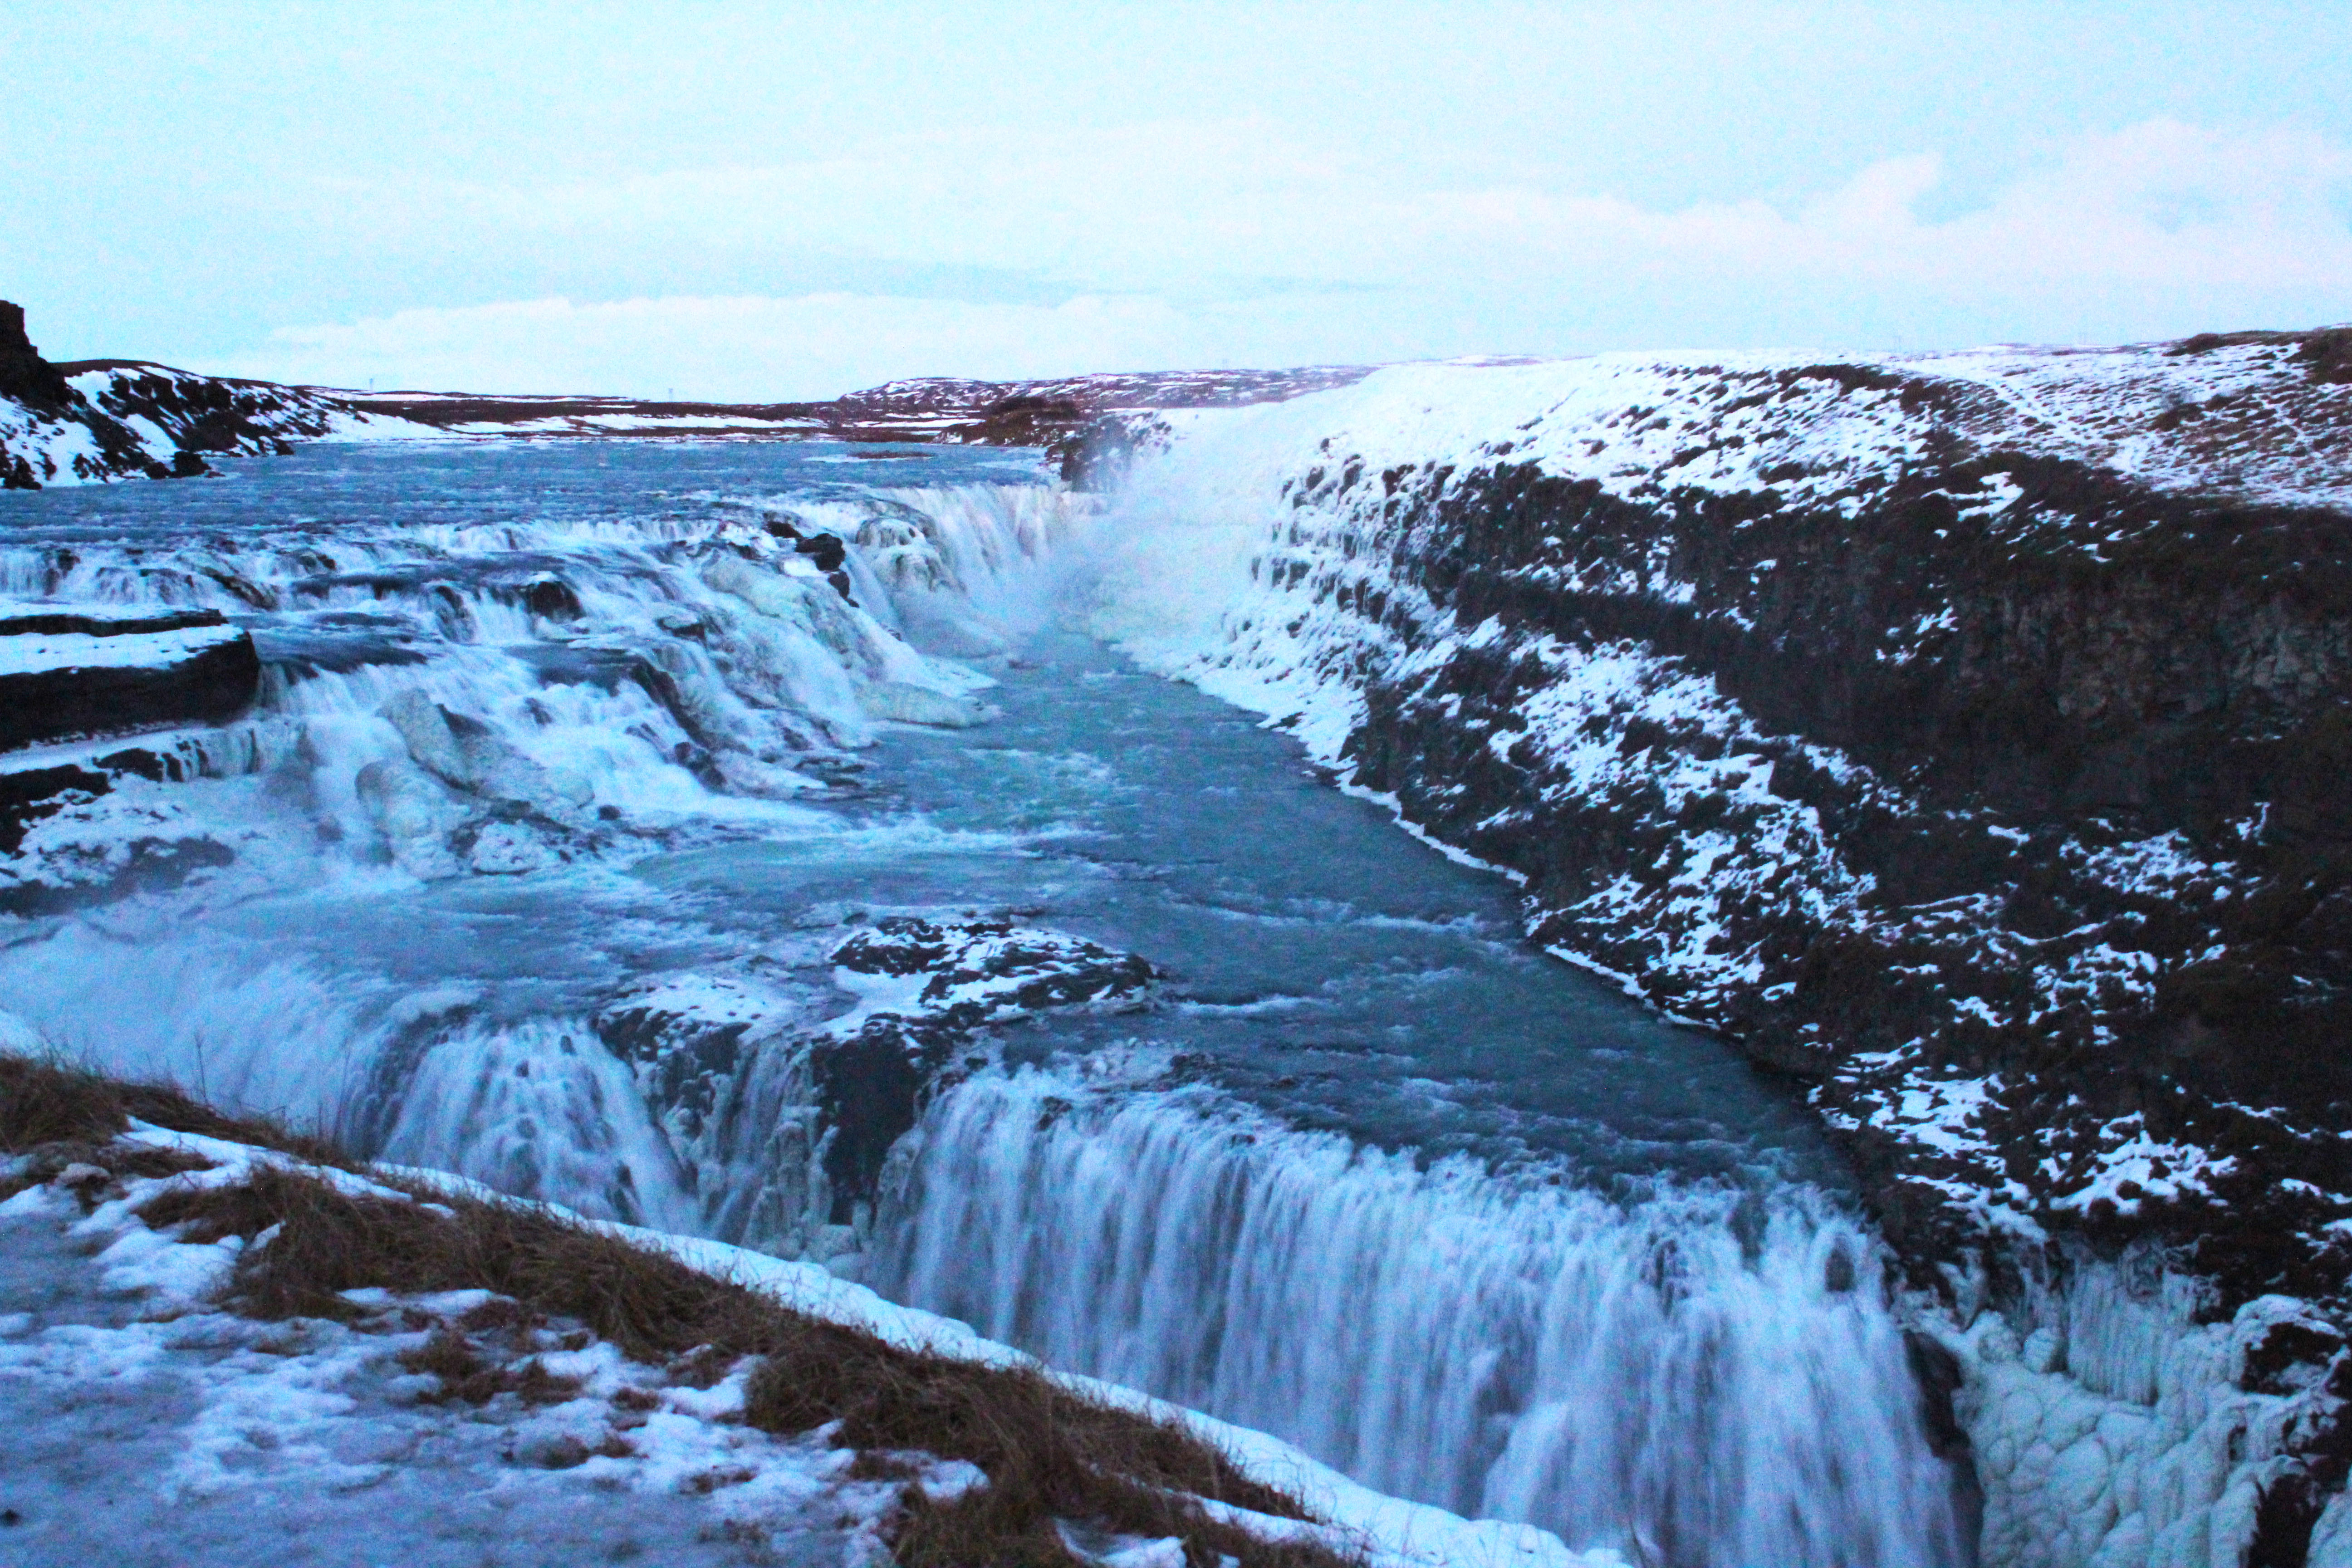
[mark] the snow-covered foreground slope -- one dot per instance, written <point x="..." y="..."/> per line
<point x="1961" y="733"/>
<point x="149" y="1414"/>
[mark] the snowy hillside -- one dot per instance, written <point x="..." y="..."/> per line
<point x="95" y="420"/>
<point x="111" y="419"/>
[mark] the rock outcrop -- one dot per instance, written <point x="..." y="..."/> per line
<point x="1966" y="738"/>
<point x="73" y="670"/>
<point x="87" y="672"/>
<point x="762" y="1071"/>
<point x="108" y="419"/>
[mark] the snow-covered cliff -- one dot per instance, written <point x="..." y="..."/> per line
<point x="1967" y="736"/>
<point x="111" y="419"/>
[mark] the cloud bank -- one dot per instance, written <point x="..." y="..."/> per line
<point x="1183" y="245"/>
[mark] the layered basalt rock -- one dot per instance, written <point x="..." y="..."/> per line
<point x="74" y="671"/>
<point x="77" y="671"/>
<point x="98" y="674"/>
<point x="2094" y="846"/>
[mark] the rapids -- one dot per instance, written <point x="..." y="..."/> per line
<point x="1370" y="1174"/>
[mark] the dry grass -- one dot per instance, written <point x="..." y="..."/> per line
<point x="1048" y="1452"/>
<point x="44" y="1102"/>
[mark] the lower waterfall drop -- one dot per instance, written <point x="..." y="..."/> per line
<point x="1704" y="1377"/>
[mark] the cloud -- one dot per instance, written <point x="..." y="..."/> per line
<point x="1002" y="254"/>
<point x="2159" y="203"/>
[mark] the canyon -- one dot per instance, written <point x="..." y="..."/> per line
<point x="1951" y="744"/>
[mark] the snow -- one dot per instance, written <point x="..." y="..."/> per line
<point x="1936" y="1112"/>
<point x="40" y="654"/>
<point x="2156" y="1169"/>
<point x="308" y="1441"/>
<point x="630" y="424"/>
<point x="353" y="425"/>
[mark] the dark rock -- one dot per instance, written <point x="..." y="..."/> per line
<point x="2088" y="665"/>
<point x="551" y="599"/>
<point x="143" y="866"/>
<point x="871" y="1085"/>
<point x="29" y="794"/>
<point x="695" y="1040"/>
<point x="79" y="672"/>
<point x="870" y="1090"/>
<point x="687" y="1039"/>
<point x="826" y="550"/>
<point x="2290" y="1506"/>
<point x="25" y="376"/>
<point x="1938" y="1374"/>
<point x="986" y="970"/>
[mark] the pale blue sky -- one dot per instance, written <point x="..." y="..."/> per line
<point x="747" y="201"/>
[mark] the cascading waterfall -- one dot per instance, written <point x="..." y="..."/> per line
<point x="1701" y="1377"/>
<point x="574" y="684"/>
<point x="538" y="1107"/>
<point x="469" y="731"/>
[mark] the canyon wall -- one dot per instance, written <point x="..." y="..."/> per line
<point x="1965" y="737"/>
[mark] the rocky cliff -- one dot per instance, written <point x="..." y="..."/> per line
<point x="1965" y="737"/>
<point x="111" y="419"/>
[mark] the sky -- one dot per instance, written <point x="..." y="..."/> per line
<point x="784" y="201"/>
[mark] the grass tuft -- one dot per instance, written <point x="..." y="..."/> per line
<point x="47" y="1102"/>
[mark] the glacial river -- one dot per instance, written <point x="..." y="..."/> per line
<point x="1369" y="1173"/>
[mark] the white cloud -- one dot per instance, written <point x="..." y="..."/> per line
<point x="2159" y="203"/>
<point x="1157" y="240"/>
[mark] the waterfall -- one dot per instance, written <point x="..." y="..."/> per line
<point x="1701" y="1377"/>
<point x="459" y="688"/>
<point x="470" y="734"/>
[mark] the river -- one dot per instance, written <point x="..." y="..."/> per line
<point x="1369" y="1173"/>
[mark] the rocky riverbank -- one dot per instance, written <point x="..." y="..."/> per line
<point x="1964" y="737"/>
